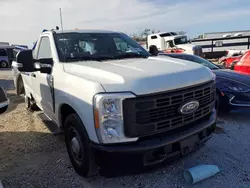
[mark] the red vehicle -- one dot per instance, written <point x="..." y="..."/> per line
<point x="243" y="66"/>
<point x="227" y="61"/>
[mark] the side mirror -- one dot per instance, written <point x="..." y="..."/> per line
<point x="25" y="60"/>
<point x="28" y="64"/>
<point x="153" y="50"/>
<point x="4" y="101"/>
<point x="44" y="65"/>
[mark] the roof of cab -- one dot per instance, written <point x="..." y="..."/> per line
<point x="84" y="31"/>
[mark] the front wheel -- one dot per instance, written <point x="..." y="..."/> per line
<point x="78" y="148"/>
<point x="4" y="64"/>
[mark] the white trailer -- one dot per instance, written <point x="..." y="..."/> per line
<point x="218" y="47"/>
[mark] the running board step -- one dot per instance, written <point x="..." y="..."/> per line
<point x="53" y="128"/>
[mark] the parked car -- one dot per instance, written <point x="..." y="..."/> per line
<point x="110" y="100"/>
<point x="243" y="65"/>
<point x="233" y="89"/>
<point x="227" y="61"/>
<point x="4" y="101"/>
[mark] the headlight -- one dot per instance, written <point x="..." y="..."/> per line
<point x="236" y="86"/>
<point x="108" y="113"/>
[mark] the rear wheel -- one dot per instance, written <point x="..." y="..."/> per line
<point x="3" y="64"/>
<point x="20" y="86"/>
<point x="78" y="146"/>
<point x="29" y="104"/>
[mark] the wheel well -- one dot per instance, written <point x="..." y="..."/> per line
<point x="65" y="111"/>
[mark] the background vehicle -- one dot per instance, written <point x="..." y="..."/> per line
<point x="233" y="89"/>
<point x="243" y="65"/>
<point x="171" y="42"/>
<point x="4" y="101"/>
<point x="109" y="97"/>
<point x="218" y="47"/>
<point x="4" y="60"/>
<point x="16" y="74"/>
<point x="227" y="61"/>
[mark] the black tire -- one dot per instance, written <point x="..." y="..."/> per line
<point x="19" y="86"/>
<point x="27" y="102"/>
<point x="29" y="105"/>
<point x="4" y="64"/>
<point x="78" y="146"/>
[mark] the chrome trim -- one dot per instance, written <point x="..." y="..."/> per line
<point x="234" y="104"/>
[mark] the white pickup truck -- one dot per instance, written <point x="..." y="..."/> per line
<point x="109" y="95"/>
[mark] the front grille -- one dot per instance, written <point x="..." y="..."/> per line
<point x="156" y="113"/>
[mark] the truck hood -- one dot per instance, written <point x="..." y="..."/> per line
<point x="140" y="76"/>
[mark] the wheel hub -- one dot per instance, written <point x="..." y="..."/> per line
<point x="4" y="65"/>
<point x="75" y="146"/>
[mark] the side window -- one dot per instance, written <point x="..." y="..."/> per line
<point x="3" y="52"/>
<point x="170" y="44"/>
<point x="154" y="37"/>
<point x="44" y="50"/>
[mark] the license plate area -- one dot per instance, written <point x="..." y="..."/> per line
<point x="189" y="144"/>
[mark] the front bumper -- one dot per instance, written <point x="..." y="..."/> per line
<point x="204" y="131"/>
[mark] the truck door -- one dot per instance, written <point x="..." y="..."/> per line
<point x="42" y="83"/>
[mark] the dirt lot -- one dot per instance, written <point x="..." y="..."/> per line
<point x="30" y="156"/>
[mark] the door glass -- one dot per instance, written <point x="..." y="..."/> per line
<point x="44" y="49"/>
<point x="3" y="52"/>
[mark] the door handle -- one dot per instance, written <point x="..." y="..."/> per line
<point x="33" y="75"/>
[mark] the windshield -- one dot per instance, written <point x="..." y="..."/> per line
<point x="193" y="58"/>
<point x="200" y="60"/>
<point x="181" y="40"/>
<point x="97" y="46"/>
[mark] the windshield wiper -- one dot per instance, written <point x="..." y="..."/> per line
<point x="130" y="55"/>
<point x="89" y="58"/>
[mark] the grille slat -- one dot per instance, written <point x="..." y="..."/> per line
<point x="163" y="112"/>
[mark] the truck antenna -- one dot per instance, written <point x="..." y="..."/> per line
<point x="61" y="19"/>
<point x="64" y="49"/>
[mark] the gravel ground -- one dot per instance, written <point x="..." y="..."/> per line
<point x="30" y="156"/>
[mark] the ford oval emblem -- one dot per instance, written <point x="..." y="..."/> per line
<point x="189" y="107"/>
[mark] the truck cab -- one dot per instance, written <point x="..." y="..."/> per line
<point x="172" y="42"/>
<point x="108" y="95"/>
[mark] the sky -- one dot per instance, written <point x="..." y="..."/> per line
<point x="23" y="20"/>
